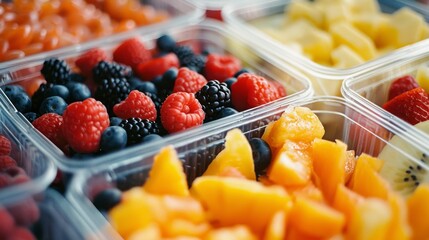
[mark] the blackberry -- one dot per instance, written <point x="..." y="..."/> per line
<point x="112" y="91"/>
<point x="138" y="128"/>
<point x="39" y="96"/>
<point x="182" y="52"/>
<point x="155" y="99"/>
<point x="194" y="62"/>
<point x="105" y="70"/>
<point x="56" y="71"/>
<point x="214" y="96"/>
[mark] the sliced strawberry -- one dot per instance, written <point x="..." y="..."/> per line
<point x="147" y="71"/>
<point x="401" y="85"/>
<point x="411" y="106"/>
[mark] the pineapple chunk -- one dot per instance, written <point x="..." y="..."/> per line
<point x="345" y="33"/>
<point x="304" y="10"/>
<point x="424" y="32"/>
<point x="369" y="24"/>
<point x="345" y="57"/>
<point x="365" y="6"/>
<point x="336" y="12"/>
<point x="422" y="77"/>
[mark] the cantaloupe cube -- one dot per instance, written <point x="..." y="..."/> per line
<point x="345" y="201"/>
<point x="418" y="210"/>
<point x="277" y="227"/>
<point x="238" y="232"/>
<point x="344" y="57"/>
<point x="399" y="228"/>
<point x="422" y="77"/>
<point x="345" y="33"/>
<point x="302" y="9"/>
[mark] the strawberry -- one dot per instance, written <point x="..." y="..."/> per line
<point x="181" y="111"/>
<point x="412" y="106"/>
<point x="6" y="162"/>
<point x="5" y="145"/>
<point x="83" y="124"/>
<point x="401" y="85"/>
<point x="251" y="91"/>
<point x="131" y="52"/>
<point x="50" y="125"/>
<point x="188" y="81"/>
<point x="149" y="70"/>
<point x="221" y="67"/>
<point x="87" y="61"/>
<point x="136" y="105"/>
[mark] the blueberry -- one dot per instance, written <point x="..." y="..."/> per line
<point x="30" y="116"/>
<point x="147" y="87"/>
<point x="165" y="43"/>
<point x="241" y="71"/>
<point x="53" y="104"/>
<point x="230" y="81"/>
<point x="113" y="138"/>
<point x="76" y="77"/>
<point x="115" y="121"/>
<point x="261" y="152"/>
<point x="10" y="90"/>
<point x="168" y="78"/>
<point x="58" y="90"/>
<point x="78" y="91"/>
<point x="151" y="138"/>
<point x="21" y="101"/>
<point x="225" y="112"/>
<point x="107" y="199"/>
<point x="134" y="82"/>
<point x="205" y="52"/>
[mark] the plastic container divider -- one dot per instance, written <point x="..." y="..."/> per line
<point x="326" y="80"/>
<point x="342" y="120"/>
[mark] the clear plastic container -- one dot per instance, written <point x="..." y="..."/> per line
<point x="326" y="80"/>
<point x="181" y="12"/>
<point x="211" y="35"/>
<point x="359" y="129"/>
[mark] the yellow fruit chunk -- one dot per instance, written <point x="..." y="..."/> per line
<point x="231" y="201"/>
<point x="239" y="232"/>
<point x="369" y="24"/>
<point x="399" y="228"/>
<point x="298" y="124"/>
<point x="277" y="227"/>
<point x="370" y="220"/>
<point x="418" y="210"/>
<point x="344" y="57"/>
<point x="347" y="34"/>
<point x="422" y="77"/>
<point x="237" y="153"/>
<point x="166" y="175"/>
<point x="365" y="6"/>
<point x="291" y="166"/>
<point x="150" y="232"/>
<point x="315" y="218"/>
<point x="336" y="12"/>
<point x="329" y="160"/>
<point x="180" y="227"/>
<point x="304" y="10"/>
<point x="345" y="201"/>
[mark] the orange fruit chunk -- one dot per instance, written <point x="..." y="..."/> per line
<point x="350" y="165"/>
<point x="180" y="227"/>
<point x="345" y="201"/>
<point x="151" y="231"/>
<point x="238" y="232"/>
<point x="277" y="227"/>
<point x="399" y="228"/>
<point x="418" y="212"/>
<point x="308" y="191"/>
<point x="166" y="175"/>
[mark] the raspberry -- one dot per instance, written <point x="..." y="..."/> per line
<point x="4" y="180"/>
<point x="136" y="105"/>
<point x="149" y="70"/>
<point x="55" y="71"/>
<point x="213" y="97"/>
<point x="188" y="81"/>
<point x="131" y="52"/>
<point x="16" y="175"/>
<point x="7" y="223"/>
<point x="105" y="70"/>
<point x="83" y="124"/>
<point x="181" y="111"/>
<point x="221" y="67"/>
<point x="137" y="129"/>
<point x="25" y="212"/>
<point x="281" y="90"/>
<point x="21" y="234"/>
<point x="50" y="125"/>
<point x="7" y="162"/>
<point x="87" y="61"/>
<point x="112" y="91"/>
<point x="252" y="90"/>
<point x="5" y="145"/>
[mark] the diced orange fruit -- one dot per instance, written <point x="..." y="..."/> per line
<point x="231" y="172"/>
<point x="238" y="232"/>
<point x="418" y="212"/>
<point x="350" y="165"/>
<point x="315" y="218"/>
<point x="345" y="201"/>
<point x="231" y="201"/>
<point x="180" y="227"/>
<point x="151" y="231"/>
<point x="237" y="153"/>
<point x="308" y="191"/>
<point x="291" y="166"/>
<point x="277" y="228"/>
<point x="329" y="165"/>
<point x="186" y="208"/>
<point x="166" y="175"/>
<point x="399" y="228"/>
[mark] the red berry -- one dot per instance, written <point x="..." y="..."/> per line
<point x="412" y="106"/>
<point x="4" y="180"/>
<point x="281" y="90"/>
<point x="25" y="212"/>
<point x="20" y="233"/>
<point x="149" y="70"/>
<point x="131" y="52"/>
<point x="181" y="111"/>
<point x="188" y="81"/>
<point x="136" y="105"/>
<point x="84" y="122"/>
<point x="6" y="162"/>
<point x="5" y="146"/>
<point x="401" y="85"/>
<point x="50" y="125"/>
<point x="220" y="67"/>
<point x="87" y="61"/>
<point x="7" y="223"/>
<point x="251" y="91"/>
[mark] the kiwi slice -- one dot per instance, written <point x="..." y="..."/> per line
<point x="403" y="174"/>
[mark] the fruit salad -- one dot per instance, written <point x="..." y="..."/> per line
<point x="103" y="101"/>
<point x="30" y="27"/>
<point x="343" y="34"/>
<point x="282" y="185"/>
